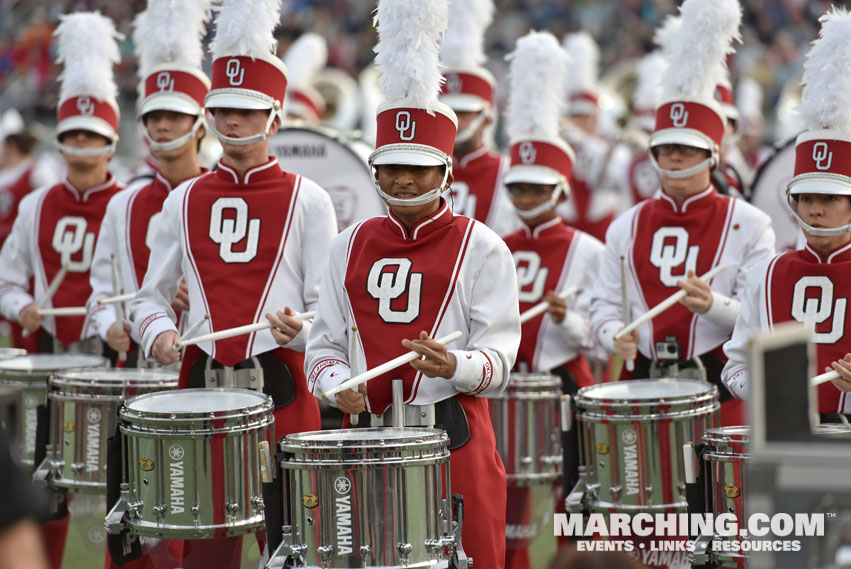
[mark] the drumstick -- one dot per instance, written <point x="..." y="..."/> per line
<point x="64" y="311"/>
<point x="190" y="332"/>
<point x="542" y="306"/>
<point x="626" y="310"/>
<point x="824" y="378"/>
<point x="238" y="331"/>
<point x="119" y="311"/>
<point x="117" y="298"/>
<point x="386" y="366"/>
<point x="51" y="290"/>
<point x="665" y="304"/>
<point x="353" y="365"/>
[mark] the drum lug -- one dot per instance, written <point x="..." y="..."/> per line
<point x="574" y="502"/>
<point x="325" y="552"/>
<point x="159" y="511"/>
<point x="616" y="490"/>
<point x="196" y="510"/>
<point x="78" y="466"/>
<point x="257" y="502"/>
<point x="405" y="550"/>
<point x="365" y="554"/>
<point x="232" y="508"/>
<point x="649" y="489"/>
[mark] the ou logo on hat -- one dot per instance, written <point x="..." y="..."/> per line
<point x="527" y="152"/>
<point x="679" y="115"/>
<point x="234" y="72"/>
<point x="85" y="106"/>
<point x="453" y="83"/>
<point x="821" y="152"/>
<point x="404" y="123"/>
<point x="165" y="81"/>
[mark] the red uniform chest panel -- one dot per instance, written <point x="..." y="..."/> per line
<point x="667" y="244"/>
<point x="143" y="210"/>
<point x="398" y="288"/>
<point x="799" y="289"/>
<point x="236" y="238"/>
<point x="67" y="232"/>
<point x="479" y="180"/>
<point x="539" y="263"/>
<point x="10" y="197"/>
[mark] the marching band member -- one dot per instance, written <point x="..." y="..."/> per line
<point x="549" y="255"/>
<point x="468" y="90"/>
<point x="58" y="226"/>
<point x="725" y="176"/>
<point x="171" y="108"/>
<point x="811" y="285"/>
<point x="250" y="239"/>
<point x="688" y="228"/>
<point x="419" y="273"/>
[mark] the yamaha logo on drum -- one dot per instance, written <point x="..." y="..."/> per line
<point x="93" y="416"/>
<point x="630" y="461"/>
<point x="343" y="515"/>
<point x="176" y="481"/>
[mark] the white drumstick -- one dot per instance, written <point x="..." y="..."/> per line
<point x="117" y="298"/>
<point x="665" y="304"/>
<point x="54" y="286"/>
<point x="64" y="311"/>
<point x="387" y="366"/>
<point x="824" y="378"/>
<point x="542" y="306"/>
<point x="238" y="331"/>
<point x="626" y="310"/>
<point x="119" y="310"/>
<point x="189" y="332"/>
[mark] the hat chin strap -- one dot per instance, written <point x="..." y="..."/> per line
<point x="245" y="139"/>
<point x="177" y="142"/>
<point x="686" y="173"/>
<point x="427" y="197"/>
<point x="544" y="207"/>
<point x="468" y="132"/>
<point x="815" y="231"/>
<point x="87" y="152"/>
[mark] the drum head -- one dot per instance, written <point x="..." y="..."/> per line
<point x="118" y="375"/>
<point x="339" y="165"/>
<point x="52" y="362"/>
<point x="646" y="389"/>
<point x="6" y="353"/>
<point x="366" y="435"/>
<point x="195" y="401"/>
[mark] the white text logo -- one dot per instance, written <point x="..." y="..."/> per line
<point x="667" y="256"/>
<point x="229" y="232"/>
<point x="69" y="238"/>
<point x="404" y="123"/>
<point x="531" y="278"/>
<point x="819" y="309"/>
<point x="387" y="287"/>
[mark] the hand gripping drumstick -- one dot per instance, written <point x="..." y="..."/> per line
<point x="824" y="378"/>
<point x="625" y="308"/>
<point x="117" y="298"/>
<point x="189" y="333"/>
<point x="119" y="310"/>
<point x="238" y="331"/>
<point x="387" y="366"/>
<point x="48" y="294"/>
<point x="666" y="304"/>
<point x="542" y="306"/>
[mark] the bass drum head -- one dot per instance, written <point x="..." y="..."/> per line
<point x="338" y="164"/>
<point x="195" y="401"/>
<point x="769" y="195"/>
<point x="51" y="362"/>
<point x="645" y="389"/>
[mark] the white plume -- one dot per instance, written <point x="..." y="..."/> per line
<point x="585" y="60"/>
<point x="648" y="88"/>
<point x="409" y="33"/>
<point x="826" y="98"/>
<point x="667" y="33"/>
<point x="464" y="43"/>
<point x="698" y="53"/>
<point x="749" y="97"/>
<point x="171" y="31"/>
<point x="245" y="27"/>
<point x="87" y="44"/>
<point x="305" y="58"/>
<point x="539" y="66"/>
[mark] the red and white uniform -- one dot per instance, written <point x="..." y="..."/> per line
<point x="15" y="183"/>
<point x="593" y="199"/>
<point x="55" y="225"/>
<point x="478" y="191"/>
<point x="247" y="245"/>
<point x="555" y="257"/>
<point x="449" y="273"/>
<point x="128" y="231"/>
<point x="797" y="285"/>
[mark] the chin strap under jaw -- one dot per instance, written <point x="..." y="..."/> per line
<point x="177" y="142"/>
<point x="544" y="207"/>
<point x="241" y="141"/>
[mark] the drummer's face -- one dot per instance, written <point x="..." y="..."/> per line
<point x="824" y="211"/>
<point x="240" y="123"/>
<point x="406" y="182"/>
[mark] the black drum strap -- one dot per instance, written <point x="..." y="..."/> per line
<point x="42" y="434"/>
<point x="570" y="450"/>
<point x="124" y="546"/>
<point x="450" y="416"/>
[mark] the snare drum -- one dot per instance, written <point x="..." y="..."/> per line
<point x="28" y="374"/>
<point x="6" y="353"/>
<point x="833" y="431"/>
<point x="193" y="464"/>
<point x="83" y="410"/>
<point x="526" y="424"/>
<point x="369" y="497"/>
<point x="631" y="435"/>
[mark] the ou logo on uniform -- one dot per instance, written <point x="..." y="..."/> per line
<point x="228" y="232"/>
<point x="670" y="249"/>
<point x="70" y="237"/>
<point x="386" y="286"/>
<point x="819" y="309"/>
<point x="405" y="123"/>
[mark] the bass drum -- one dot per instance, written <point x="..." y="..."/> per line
<point x="769" y="195"/>
<point x="337" y="163"/>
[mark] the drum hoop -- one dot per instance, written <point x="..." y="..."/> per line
<point x="531" y="396"/>
<point x="197" y="428"/>
<point x="595" y="402"/>
<point x="61" y="384"/>
<point x="298" y="440"/>
<point x="4" y="371"/>
<point x="374" y="463"/>
<point x="684" y="413"/>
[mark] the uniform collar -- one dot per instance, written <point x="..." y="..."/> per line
<point x="465" y="160"/>
<point x="699" y="199"/>
<point x="266" y="171"/>
<point x="84" y="195"/>
<point x="839" y="255"/>
<point x="160" y="181"/>
<point x="424" y="226"/>
<point x="542" y="228"/>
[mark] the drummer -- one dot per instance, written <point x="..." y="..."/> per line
<point x="172" y="122"/>
<point x="811" y="284"/>
<point x="250" y="238"/>
<point x="682" y="232"/>
<point x="417" y="274"/>
<point x="58" y="225"/>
